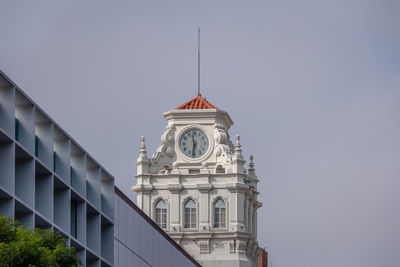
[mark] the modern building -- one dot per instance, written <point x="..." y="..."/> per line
<point x="196" y="187"/>
<point x="138" y="241"/>
<point x="47" y="180"/>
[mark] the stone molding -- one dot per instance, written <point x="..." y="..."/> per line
<point x="204" y="188"/>
<point x="174" y="188"/>
<point x="142" y="188"/>
<point x="237" y="187"/>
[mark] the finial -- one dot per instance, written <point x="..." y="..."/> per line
<point x="238" y="147"/>
<point x="251" y="164"/>
<point x="143" y="151"/>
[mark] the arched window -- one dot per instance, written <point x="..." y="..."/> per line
<point x="219" y="214"/>
<point x="190" y="214"/>
<point x="161" y="214"/>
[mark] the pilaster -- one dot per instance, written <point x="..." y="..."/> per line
<point x="236" y="207"/>
<point x="204" y="206"/>
<point x="146" y="204"/>
<point x="174" y="212"/>
<point x="174" y="188"/>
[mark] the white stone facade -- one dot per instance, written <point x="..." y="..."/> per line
<point x="219" y="173"/>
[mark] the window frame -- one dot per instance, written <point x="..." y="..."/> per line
<point x="196" y="214"/>
<point x="156" y="202"/>
<point x="220" y="224"/>
<point x="212" y="213"/>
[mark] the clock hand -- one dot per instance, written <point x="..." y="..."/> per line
<point x="194" y="146"/>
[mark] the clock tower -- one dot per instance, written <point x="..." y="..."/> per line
<point x="197" y="189"/>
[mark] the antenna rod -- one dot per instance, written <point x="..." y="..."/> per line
<point x="198" y="60"/>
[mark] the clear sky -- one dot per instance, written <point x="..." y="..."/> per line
<point x="312" y="87"/>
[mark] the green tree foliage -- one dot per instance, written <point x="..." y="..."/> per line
<point x="20" y="247"/>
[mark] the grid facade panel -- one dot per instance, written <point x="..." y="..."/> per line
<point x="48" y="181"/>
<point x="42" y="172"/>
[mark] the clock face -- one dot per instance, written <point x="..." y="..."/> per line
<point x="194" y="143"/>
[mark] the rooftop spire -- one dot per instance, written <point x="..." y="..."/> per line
<point x="251" y="164"/>
<point x="142" y="151"/>
<point x="142" y="162"/>
<point x="238" y="147"/>
<point x="198" y="61"/>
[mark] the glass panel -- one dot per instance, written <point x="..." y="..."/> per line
<point x="190" y="204"/>
<point x="161" y="205"/>
<point x="187" y="220"/>
<point x="190" y="214"/>
<point x="219" y="214"/>
<point x="161" y="214"/>
<point x="36" y="146"/>
<point x="220" y="204"/>
<point x="158" y="219"/>
<point x="16" y="129"/>
<point x="74" y="210"/>
<point x="54" y="161"/>
<point x="193" y="218"/>
<point x="164" y="220"/>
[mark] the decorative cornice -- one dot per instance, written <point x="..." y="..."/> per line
<point x="209" y="235"/>
<point x="204" y="188"/>
<point x="199" y="113"/>
<point x="142" y="188"/>
<point x="174" y="188"/>
<point x="143" y="175"/>
<point x="237" y="187"/>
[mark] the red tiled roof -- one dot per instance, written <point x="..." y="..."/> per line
<point x="197" y="103"/>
